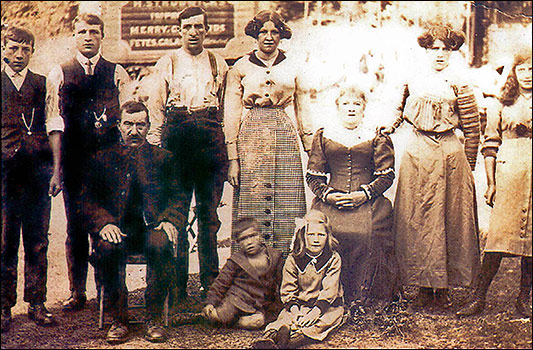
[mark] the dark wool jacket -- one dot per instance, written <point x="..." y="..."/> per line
<point x="239" y="283"/>
<point x="109" y="182"/>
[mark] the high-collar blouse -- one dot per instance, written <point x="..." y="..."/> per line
<point x="254" y="83"/>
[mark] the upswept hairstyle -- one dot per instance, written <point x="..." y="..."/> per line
<point x="192" y="11"/>
<point x="19" y="35"/>
<point x="242" y="225"/>
<point x="254" y="26"/>
<point x="452" y="39"/>
<point x="89" y="18"/>
<point x="317" y="217"/>
<point x="511" y="89"/>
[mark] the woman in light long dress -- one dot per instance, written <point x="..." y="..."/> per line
<point x="435" y="215"/>
<point x="507" y="152"/>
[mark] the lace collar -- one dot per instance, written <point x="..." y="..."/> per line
<point x="334" y="131"/>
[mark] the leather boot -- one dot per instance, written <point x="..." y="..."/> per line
<point x="442" y="298"/>
<point x="489" y="268"/>
<point x="155" y="332"/>
<point x="423" y="298"/>
<point x="473" y="307"/>
<point x="75" y="302"/>
<point x="118" y="333"/>
<point x="38" y="313"/>
<point x="267" y="341"/>
<point x="523" y="304"/>
<point x="6" y="319"/>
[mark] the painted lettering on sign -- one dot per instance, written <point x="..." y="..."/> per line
<point x="153" y="25"/>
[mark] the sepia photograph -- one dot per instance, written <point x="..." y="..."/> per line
<point x="266" y="174"/>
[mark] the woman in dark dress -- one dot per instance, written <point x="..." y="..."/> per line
<point x="360" y="166"/>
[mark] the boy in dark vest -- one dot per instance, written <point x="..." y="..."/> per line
<point x="83" y="112"/>
<point x="26" y="173"/>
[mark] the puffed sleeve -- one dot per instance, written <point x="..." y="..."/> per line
<point x="233" y="109"/>
<point x="289" y="284"/>
<point x="317" y="168"/>
<point x="493" y="132"/>
<point x="383" y="167"/>
<point x="330" y="284"/>
<point x="469" y="119"/>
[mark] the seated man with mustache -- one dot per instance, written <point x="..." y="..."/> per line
<point x="130" y="206"/>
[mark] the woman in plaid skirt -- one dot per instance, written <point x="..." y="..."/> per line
<point x="262" y="138"/>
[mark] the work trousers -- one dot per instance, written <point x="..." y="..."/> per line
<point x="110" y="260"/>
<point x="200" y="158"/>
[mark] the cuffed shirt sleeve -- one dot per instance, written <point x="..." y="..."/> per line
<point x="233" y="110"/>
<point x="156" y="88"/>
<point x="54" y="120"/>
<point x="493" y="131"/>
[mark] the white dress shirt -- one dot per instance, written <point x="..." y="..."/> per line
<point x="54" y="119"/>
<point x="190" y="84"/>
<point x="17" y="78"/>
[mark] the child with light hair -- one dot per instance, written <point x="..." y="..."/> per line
<point x="311" y="291"/>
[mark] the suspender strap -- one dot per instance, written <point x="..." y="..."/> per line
<point x="213" y="63"/>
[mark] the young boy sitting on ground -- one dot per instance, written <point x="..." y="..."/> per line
<point x="246" y="291"/>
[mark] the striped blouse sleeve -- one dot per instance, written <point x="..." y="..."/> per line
<point x="469" y="119"/>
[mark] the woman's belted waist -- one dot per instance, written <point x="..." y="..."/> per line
<point x="519" y="131"/>
<point x="434" y="134"/>
<point x="264" y="107"/>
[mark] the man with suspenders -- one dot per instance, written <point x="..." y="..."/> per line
<point x="186" y="118"/>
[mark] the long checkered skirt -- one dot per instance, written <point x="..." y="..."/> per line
<point x="271" y="176"/>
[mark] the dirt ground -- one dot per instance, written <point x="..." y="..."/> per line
<point x="497" y="327"/>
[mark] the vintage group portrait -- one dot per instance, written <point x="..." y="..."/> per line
<point x="266" y="174"/>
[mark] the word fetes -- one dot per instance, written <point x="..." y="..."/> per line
<point x="161" y="42"/>
<point x="165" y="43"/>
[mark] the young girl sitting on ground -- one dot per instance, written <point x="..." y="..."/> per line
<point x="311" y="291"/>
